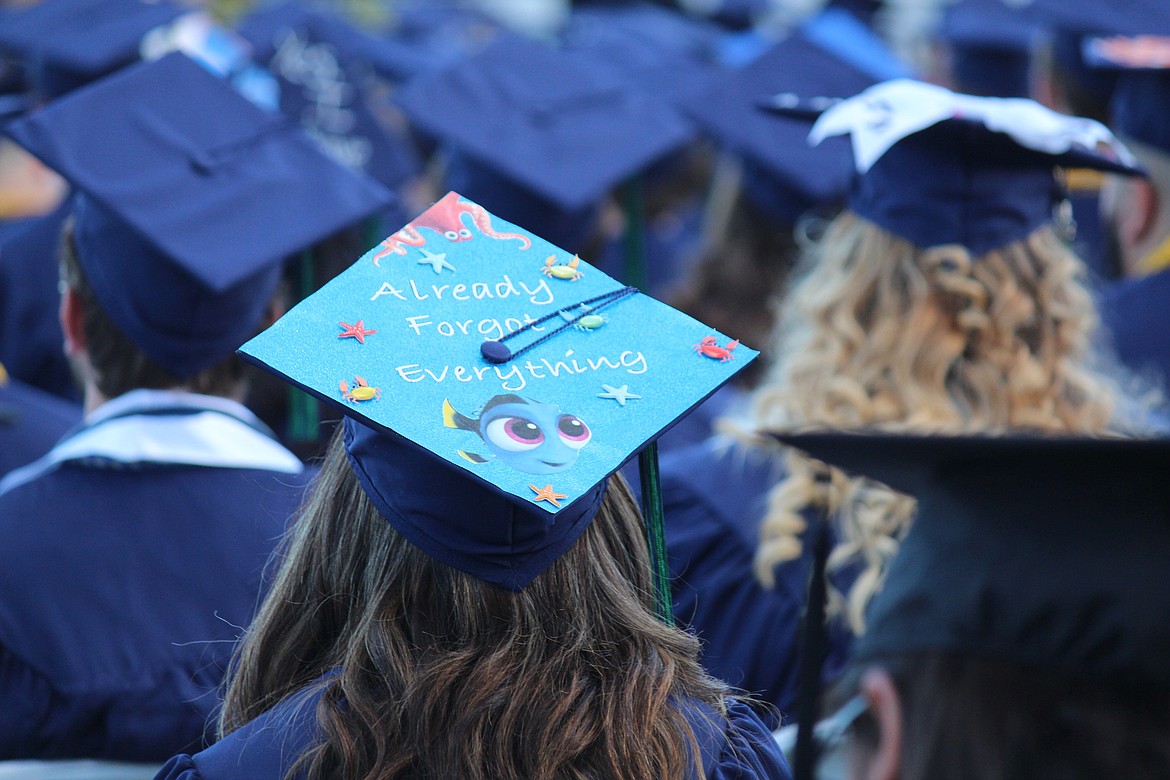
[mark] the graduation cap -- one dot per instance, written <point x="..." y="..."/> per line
<point x="329" y="85"/>
<point x="427" y="35"/>
<point x="1043" y="551"/>
<point x="784" y="176"/>
<point x="189" y="197"/>
<point x="66" y="44"/>
<point x="1141" y="95"/>
<point x="991" y="47"/>
<point x="491" y="383"/>
<point x="551" y="123"/>
<point x="936" y="167"/>
<point x="657" y="49"/>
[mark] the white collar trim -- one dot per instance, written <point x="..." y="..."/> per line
<point x="135" y="428"/>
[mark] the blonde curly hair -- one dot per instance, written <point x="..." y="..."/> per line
<point x="880" y="334"/>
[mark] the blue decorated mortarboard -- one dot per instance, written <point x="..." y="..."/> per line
<point x="328" y="85"/>
<point x="936" y="167"/>
<point x="491" y="382"/>
<point x="66" y="44"/>
<point x="552" y="122"/>
<point x="1043" y="551"/>
<point x="189" y="197"/>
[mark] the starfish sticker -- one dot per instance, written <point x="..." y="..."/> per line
<point x="356" y="331"/>
<point x="435" y="261"/>
<point x="547" y="493"/>
<point x="619" y="394"/>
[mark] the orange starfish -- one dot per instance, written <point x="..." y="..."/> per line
<point x="547" y="493"/>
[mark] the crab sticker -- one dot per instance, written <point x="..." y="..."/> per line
<point x="567" y="271"/>
<point x="361" y="391"/>
<point x="709" y="347"/>
<point x="527" y="435"/>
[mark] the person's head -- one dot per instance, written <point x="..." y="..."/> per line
<point x="546" y="151"/>
<point x="453" y="676"/>
<point x="958" y="717"/>
<point x="108" y="363"/>
<point x="482" y="600"/>
<point x="165" y="271"/>
<point x="1018" y="635"/>
<point x="940" y="301"/>
<point x="748" y="250"/>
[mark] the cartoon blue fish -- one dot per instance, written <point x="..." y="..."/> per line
<point x="524" y="434"/>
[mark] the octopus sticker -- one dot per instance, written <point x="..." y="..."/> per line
<point x="527" y="435"/>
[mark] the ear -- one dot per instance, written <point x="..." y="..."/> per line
<point x="72" y="315"/>
<point x="878" y="689"/>
<point x="277" y="307"/>
<point x="1137" y="215"/>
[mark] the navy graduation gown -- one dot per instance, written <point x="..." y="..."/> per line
<point x="125" y="581"/>
<point x="1136" y="315"/>
<point x="738" y="748"/>
<point x="30" y="332"/>
<point x="31" y="422"/>
<point x="715" y="497"/>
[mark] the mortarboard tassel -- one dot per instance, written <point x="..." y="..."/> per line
<point x="636" y="273"/>
<point x="812" y="655"/>
<point x="652" y="513"/>
<point x="304" y="422"/>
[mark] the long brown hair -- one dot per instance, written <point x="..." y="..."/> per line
<point x="443" y="675"/>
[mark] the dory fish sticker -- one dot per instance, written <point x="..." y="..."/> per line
<point x="522" y="433"/>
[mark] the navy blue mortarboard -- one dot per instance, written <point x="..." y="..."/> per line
<point x="551" y="122"/>
<point x="937" y="167"/>
<point x="786" y="177"/>
<point x="1075" y="23"/>
<point x="1141" y="95"/>
<point x="1043" y="551"/>
<point x="66" y="44"/>
<point x="991" y="47"/>
<point x="492" y="382"/>
<point x="659" y="50"/>
<point x="189" y="196"/>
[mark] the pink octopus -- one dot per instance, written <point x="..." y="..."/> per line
<point x="446" y="219"/>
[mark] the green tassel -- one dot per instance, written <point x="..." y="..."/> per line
<point x="304" y="424"/>
<point x="656" y="530"/>
<point x="634" y="239"/>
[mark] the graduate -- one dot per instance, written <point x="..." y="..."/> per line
<point x="1019" y="634"/>
<point x="768" y="193"/>
<point x="134" y="550"/>
<point x="469" y="592"/>
<point x="941" y="299"/>
<point x="786" y="190"/>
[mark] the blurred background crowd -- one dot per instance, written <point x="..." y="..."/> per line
<point x="1005" y="277"/>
